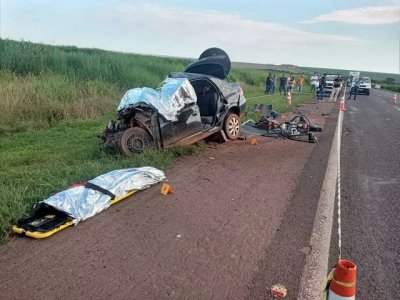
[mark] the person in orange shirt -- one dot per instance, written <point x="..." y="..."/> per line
<point x="300" y="83"/>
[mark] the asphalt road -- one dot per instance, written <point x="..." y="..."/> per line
<point x="370" y="168"/>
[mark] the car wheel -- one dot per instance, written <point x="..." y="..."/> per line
<point x="232" y="126"/>
<point x="134" y="140"/>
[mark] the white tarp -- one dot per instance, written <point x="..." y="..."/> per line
<point x="169" y="99"/>
<point x="82" y="203"/>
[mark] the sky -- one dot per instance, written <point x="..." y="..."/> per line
<point x="341" y="34"/>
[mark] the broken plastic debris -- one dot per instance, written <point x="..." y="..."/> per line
<point x="179" y="236"/>
<point x="211" y="157"/>
<point x="278" y="290"/>
<point x="166" y="189"/>
<point x="253" y="141"/>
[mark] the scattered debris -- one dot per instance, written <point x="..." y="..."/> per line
<point x="166" y="189"/>
<point x="279" y="290"/>
<point x="211" y="157"/>
<point x="179" y="236"/>
<point x="253" y="141"/>
<point x="298" y="128"/>
<point x="266" y="111"/>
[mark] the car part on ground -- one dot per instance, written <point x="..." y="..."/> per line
<point x="299" y="128"/>
<point x="186" y="108"/>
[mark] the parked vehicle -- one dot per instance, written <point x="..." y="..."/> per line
<point x="329" y="83"/>
<point x="187" y="107"/>
<point x="365" y="86"/>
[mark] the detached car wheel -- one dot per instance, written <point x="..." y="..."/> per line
<point x="134" y="140"/>
<point x="232" y="126"/>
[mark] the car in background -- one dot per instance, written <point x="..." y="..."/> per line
<point x="187" y="107"/>
<point x="365" y="86"/>
<point x="329" y="82"/>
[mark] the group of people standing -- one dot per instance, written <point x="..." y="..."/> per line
<point x="286" y="84"/>
<point x="318" y="86"/>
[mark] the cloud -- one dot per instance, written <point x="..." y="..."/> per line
<point x="173" y="31"/>
<point x="371" y="15"/>
<point x="172" y="22"/>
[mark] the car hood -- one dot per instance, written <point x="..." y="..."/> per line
<point x="213" y="61"/>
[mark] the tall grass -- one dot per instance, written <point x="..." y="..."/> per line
<point x="43" y="100"/>
<point x="124" y="70"/>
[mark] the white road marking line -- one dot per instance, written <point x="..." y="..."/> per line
<point x="398" y="108"/>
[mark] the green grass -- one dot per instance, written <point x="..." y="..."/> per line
<point x="56" y="100"/>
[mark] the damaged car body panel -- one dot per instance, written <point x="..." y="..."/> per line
<point x="186" y="108"/>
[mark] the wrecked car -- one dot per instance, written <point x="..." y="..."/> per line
<point x="187" y="107"/>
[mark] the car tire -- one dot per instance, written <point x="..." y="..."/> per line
<point x="232" y="126"/>
<point x="134" y="140"/>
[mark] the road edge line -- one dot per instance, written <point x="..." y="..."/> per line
<point x="316" y="266"/>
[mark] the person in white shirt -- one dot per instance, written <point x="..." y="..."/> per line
<point x="314" y="83"/>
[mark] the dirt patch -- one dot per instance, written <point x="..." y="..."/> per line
<point x="204" y="241"/>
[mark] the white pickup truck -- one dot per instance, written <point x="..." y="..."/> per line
<point x="365" y="86"/>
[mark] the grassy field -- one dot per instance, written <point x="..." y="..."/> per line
<point x="56" y="100"/>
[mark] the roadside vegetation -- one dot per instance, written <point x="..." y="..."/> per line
<point x="55" y="100"/>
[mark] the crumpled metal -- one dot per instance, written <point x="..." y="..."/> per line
<point x="168" y="99"/>
<point x="82" y="203"/>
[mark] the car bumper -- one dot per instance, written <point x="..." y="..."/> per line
<point x="363" y="91"/>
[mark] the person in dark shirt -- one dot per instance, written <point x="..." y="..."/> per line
<point x="337" y="84"/>
<point x="322" y="85"/>
<point x="282" y="85"/>
<point x="354" y="88"/>
<point x="267" y="84"/>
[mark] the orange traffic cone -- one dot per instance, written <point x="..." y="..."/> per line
<point x="343" y="284"/>
<point x="394" y="99"/>
<point x="289" y="98"/>
<point x="342" y="106"/>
